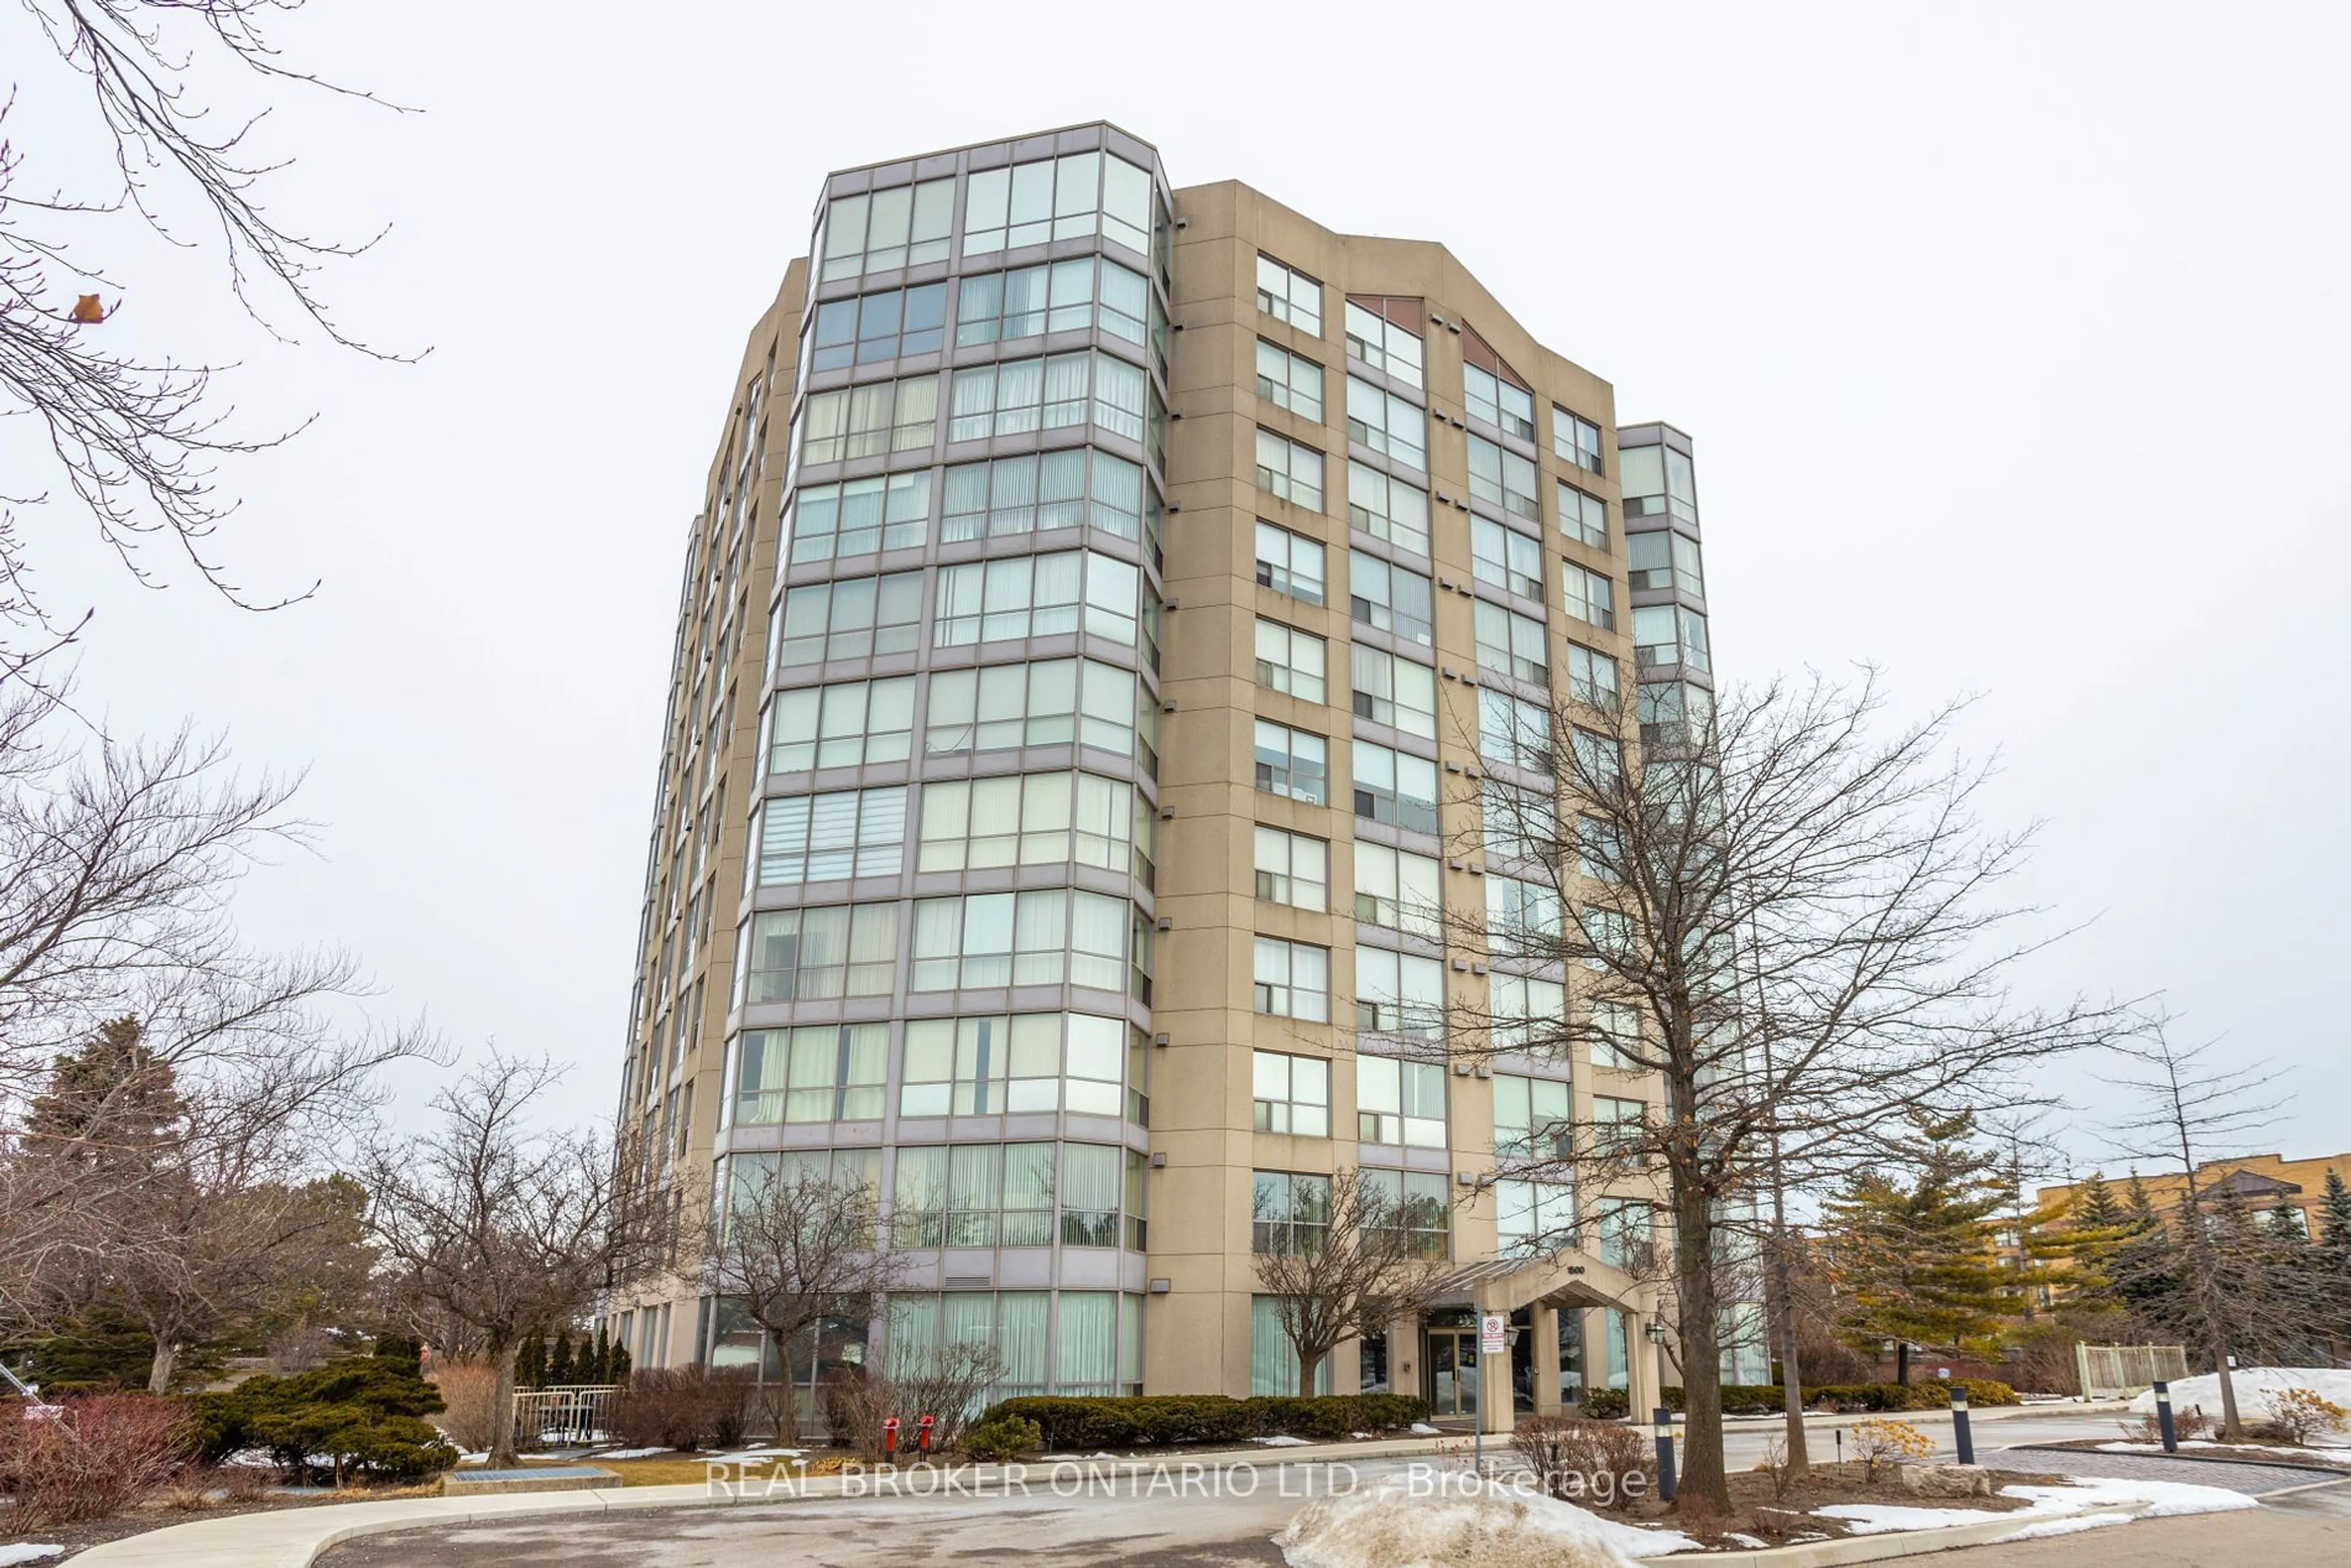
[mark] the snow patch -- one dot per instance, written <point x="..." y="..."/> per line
<point x="1422" y="1429"/>
<point x="2254" y="1385"/>
<point x="2074" y="1526"/>
<point x="632" y="1453"/>
<point x="1280" y="1442"/>
<point x="1471" y="1525"/>
<point x="1878" y="1518"/>
<point x="28" y="1552"/>
<point x="2157" y="1500"/>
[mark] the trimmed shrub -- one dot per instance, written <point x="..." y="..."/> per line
<point x="1614" y="1404"/>
<point x="1764" y="1398"/>
<point x="684" y="1407"/>
<point x="98" y="1456"/>
<point x="1006" y="1438"/>
<point x="358" y="1419"/>
<point x="1157" y="1420"/>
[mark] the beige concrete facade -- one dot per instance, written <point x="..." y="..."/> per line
<point x="1195" y="1015"/>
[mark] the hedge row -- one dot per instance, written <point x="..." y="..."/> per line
<point x="1766" y="1398"/>
<point x="1153" y="1420"/>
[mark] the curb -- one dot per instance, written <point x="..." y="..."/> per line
<point x="1890" y="1544"/>
<point x="2338" y="1472"/>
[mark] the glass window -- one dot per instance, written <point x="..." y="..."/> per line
<point x="1512" y="644"/>
<point x="1293" y="869"/>
<point x="1521" y="917"/>
<point x="1020" y="397"/>
<point x="1575" y="439"/>
<point x="1289" y="470"/>
<point x="1064" y="297"/>
<point x="1675" y="712"/>
<point x="1583" y="518"/>
<point x="1036" y="596"/>
<point x="1127" y="199"/>
<point x="1534" y="1216"/>
<point x="1289" y="563"/>
<point x="1397" y="889"/>
<point x="842" y="726"/>
<point x="1588" y="596"/>
<point x="858" y="618"/>
<point x="1387" y="424"/>
<point x="831" y="837"/>
<point x="1388" y="508"/>
<point x="1394" y="787"/>
<point x="858" y="516"/>
<point x="1030" y="819"/>
<point x="884" y="230"/>
<point x="1670" y="635"/>
<point x="818" y="955"/>
<point x="1288" y="295"/>
<point x="1052" y="702"/>
<point x="1616" y="1122"/>
<point x="1049" y="199"/>
<point x="1384" y="345"/>
<point x="1394" y="691"/>
<point x="1289" y="660"/>
<point x="872" y="329"/>
<point x="871" y="420"/>
<point x="1293" y="1094"/>
<point x="1513" y="730"/>
<point x="1506" y="559"/>
<point x="1526" y="1011"/>
<point x="1039" y="492"/>
<point x="1043" y="938"/>
<point x="1400" y="1102"/>
<point x="1508" y="407"/>
<point x="1520" y="824"/>
<point x="1292" y="979"/>
<point x="1592" y="677"/>
<point x="1399" y="994"/>
<point x="1599" y="855"/>
<point x="825" y="1072"/>
<point x="1389" y="598"/>
<point x="1502" y="478"/>
<point x="1414" y="1202"/>
<point x="1290" y="380"/>
<point x="1663" y="558"/>
<point x="1288" y="1213"/>
<point x="982" y="1067"/>
<point x="1616" y="1037"/>
<point x="1292" y="763"/>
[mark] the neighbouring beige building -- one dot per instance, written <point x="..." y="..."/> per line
<point x="1105" y="596"/>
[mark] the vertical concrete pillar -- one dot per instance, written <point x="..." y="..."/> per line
<point x="1640" y="1368"/>
<point x="1495" y="1414"/>
<point x="1405" y="1374"/>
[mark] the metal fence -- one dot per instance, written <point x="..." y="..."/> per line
<point x="575" y="1414"/>
<point x="2124" y="1371"/>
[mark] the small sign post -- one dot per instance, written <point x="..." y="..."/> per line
<point x="1493" y="1339"/>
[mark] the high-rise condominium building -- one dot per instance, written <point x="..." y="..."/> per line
<point x="1105" y="624"/>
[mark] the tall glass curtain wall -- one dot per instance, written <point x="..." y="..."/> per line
<point x="962" y="695"/>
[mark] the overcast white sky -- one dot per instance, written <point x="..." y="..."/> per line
<point x="2013" y="337"/>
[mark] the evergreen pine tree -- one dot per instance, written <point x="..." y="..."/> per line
<point x="560" y="1373"/>
<point x="2285" y="1224"/>
<point x="1917" y="1253"/>
<point x="111" y="1104"/>
<point x="530" y="1362"/>
<point x="619" y="1366"/>
<point x="2097" y="1225"/>
<point x="600" y="1358"/>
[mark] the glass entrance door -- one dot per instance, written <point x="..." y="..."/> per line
<point x="1453" y="1372"/>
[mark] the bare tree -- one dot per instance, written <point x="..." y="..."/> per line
<point x="793" y="1246"/>
<point x="136" y="440"/>
<point x="117" y="865"/>
<point x="1344" y="1261"/>
<point x="489" y="1223"/>
<point x="1784" y="920"/>
<point x="2205" y="1272"/>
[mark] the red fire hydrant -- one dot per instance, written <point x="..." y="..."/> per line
<point x="890" y="1438"/>
<point x="922" y="1434"/>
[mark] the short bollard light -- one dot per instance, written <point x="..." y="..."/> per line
<point x="1664" y="1454"/>
<point x="2163" y="1418"/>
<point x="1960" y="1429"/>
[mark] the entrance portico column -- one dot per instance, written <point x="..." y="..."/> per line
<point x="1544" y="1326"/>
<point x="1640" y="1369"/>
<point x="1495" y="1414"/>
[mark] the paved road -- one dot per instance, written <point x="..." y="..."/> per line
<point x="1230" y="1527"/>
